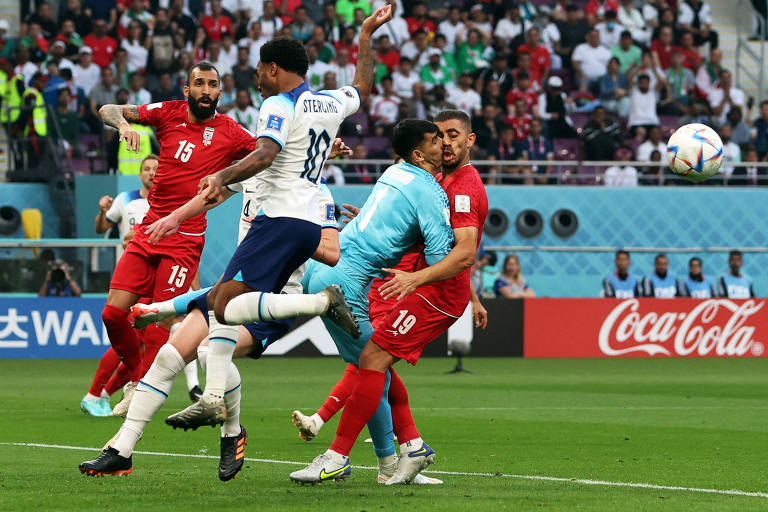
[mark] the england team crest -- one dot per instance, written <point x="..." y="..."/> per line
<point x="207" y="136"/>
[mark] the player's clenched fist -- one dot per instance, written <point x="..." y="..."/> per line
<point x="130" y="136"/>
<point x="210" y="188"/>
<point x="105" y="203"/>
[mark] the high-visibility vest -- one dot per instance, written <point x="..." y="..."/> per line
<point x="128" y="161"/>
<point x="12" y="102"/>
<point x="38" y="113"/>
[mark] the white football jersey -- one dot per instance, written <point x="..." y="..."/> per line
<point x="127" y="210"/>
<point x="325" y="216"/>
<point x="304" y="123"/>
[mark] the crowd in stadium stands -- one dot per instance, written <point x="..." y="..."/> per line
<point x="569" y="80"/>
<point x="662" y="284"/>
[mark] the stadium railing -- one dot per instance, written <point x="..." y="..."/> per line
<point x="579" y="172"/>
<point x="91" y="261"/>
<point x="750" y="68"/>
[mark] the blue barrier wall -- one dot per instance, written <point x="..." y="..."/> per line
<point x="643" y="217"/>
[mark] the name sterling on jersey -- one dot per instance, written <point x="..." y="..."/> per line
<point x="323" y="107"/>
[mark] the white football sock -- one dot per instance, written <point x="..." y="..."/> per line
<point x="231" y="426"/>
<point x="202" y="357"/>
<point x="190" y="372"/>
<point x="258" y="306"/>
<point x="89" y="396"/>
<point x="222" y="340"/>
<point x="412" y="445"/>
<point x="318" y="421"/>
<point x="389" y="460"/>
<point x="104" y="394"/>
<point x="151" y="394"/>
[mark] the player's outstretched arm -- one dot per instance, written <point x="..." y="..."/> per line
<point x="461" y="257"/>
<point x="121" y="117"/>
<point x="169" y="224"/>
<point x="257" y="160"/>
<point x="366" y="65"/>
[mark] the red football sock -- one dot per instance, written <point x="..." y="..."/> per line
<point x="123" y="338"/>
<point x="118" y="380"/>
<point x="107" y="366"/>
<point x="361" y="405"/>
<point x="154" y="337"/>
<point x="402" y="419"/>
<point x="339" y="394"/>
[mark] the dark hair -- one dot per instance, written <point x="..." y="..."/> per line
<point x="626" y="33"/>
<point x="408" y="135"/>
<point x="622" y="251"/>
<point x="458" y="115"/>
<point x="203" y="65"/>
<point x="289" y="54"/>
<point x="659" y="256"/>
<point x="733" y="253"/>
<point x="387" y="77"/>
<point x="695" y="258"/>
<point x="66" y="74"/>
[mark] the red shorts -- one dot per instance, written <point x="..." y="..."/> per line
<point x="377" y="306"/>
<point x="409" y="326"/>
<point x="160" y="271"/>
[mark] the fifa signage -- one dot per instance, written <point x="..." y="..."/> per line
<point x="52" y="328"/>
<point x="645" y="328"/>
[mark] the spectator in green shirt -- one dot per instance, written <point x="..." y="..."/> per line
<point x="472" y="54"/>
<point x="68" y="121"/>
<point x="434" y="73"/>
<point x="346" y="9"/>
<point x="628" y="53"/>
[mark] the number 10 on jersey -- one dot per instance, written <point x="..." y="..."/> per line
<point x="312" y="171"/>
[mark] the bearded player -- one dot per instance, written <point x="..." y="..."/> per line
<point x="194" y="142"/>
<point x="420" y="315"/>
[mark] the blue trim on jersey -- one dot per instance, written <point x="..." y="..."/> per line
<point x="275" y="139"/>
<point x="327" y="93"/>
<point x="133" y="195"/>
<point x="293" y="95"/>
<point x="233" y="389"/>
<point x="152" y="388"/>
<point x="227" y="340"/>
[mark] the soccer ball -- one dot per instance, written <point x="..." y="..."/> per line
<point x="695" y="152"/>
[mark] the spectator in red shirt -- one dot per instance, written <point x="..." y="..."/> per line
<point x="691" y="55"/>
<point x="522" y="90"/>
<point x="388" y="55"/>
<point x="520" y="120"/>
<point x="540" y="62"/>
<point x="524" y="64"/>
<point x="596" y="10"/>
<point x="103" y="46"/>
<point x="419" y="19"/>
<point x="348" y="41"/>
<point x="661" y="48"/>
<point x="217" y="23"/>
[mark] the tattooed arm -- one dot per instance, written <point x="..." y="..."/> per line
<point x="366" y="64"/>
<point x="121" y="117"/>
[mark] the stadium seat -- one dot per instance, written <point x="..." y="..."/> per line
<point x="92" y="146"/>
<point x="378" y="147"/>
<point x="668" y="124"/>
<point x="579" y="120"/>
<point x="360" y="120"/>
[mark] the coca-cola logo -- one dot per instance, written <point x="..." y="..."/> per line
<point x="702" y="331"/>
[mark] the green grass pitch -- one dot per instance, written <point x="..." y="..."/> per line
<point x="694" y="424"/>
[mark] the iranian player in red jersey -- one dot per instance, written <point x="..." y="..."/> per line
<point x="194" y="142"/>
<point x="408" y="314"/>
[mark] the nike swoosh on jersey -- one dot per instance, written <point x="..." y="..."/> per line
<point x="325" y="476"/>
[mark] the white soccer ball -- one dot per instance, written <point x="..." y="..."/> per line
<point x="695" y="152"/>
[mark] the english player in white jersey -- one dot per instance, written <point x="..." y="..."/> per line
<point x="296" y="130"/>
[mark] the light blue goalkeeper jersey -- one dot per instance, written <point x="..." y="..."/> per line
<point x="406" y="205"/>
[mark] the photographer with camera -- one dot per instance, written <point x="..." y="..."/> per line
<point x="58" y="282"/>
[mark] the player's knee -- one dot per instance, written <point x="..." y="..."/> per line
<point x="113" y="316"/>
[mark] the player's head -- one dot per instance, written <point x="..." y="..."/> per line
<point x="735" y="260"/>
<point x="147" y="170"/>
<point x="458" y="138"/>
<point x="419" y="142"/>
<point x="694" y="266"/>
<point x="622" y="261"/>
<point x="279" y="57"/>
<point x="661" y="265"/>
<point x="203" y="89"/>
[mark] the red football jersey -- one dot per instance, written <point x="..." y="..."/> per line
<point x="469" y="207"/>
<point x="188" y="152"/>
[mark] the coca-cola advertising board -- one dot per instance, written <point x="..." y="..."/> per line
<point x="645" y="328"/>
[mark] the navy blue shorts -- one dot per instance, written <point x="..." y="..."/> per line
<point x="264" y="333"/>
<point x="271" y="251"/>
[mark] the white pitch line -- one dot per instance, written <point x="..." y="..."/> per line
<point x="582" y="481"/>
